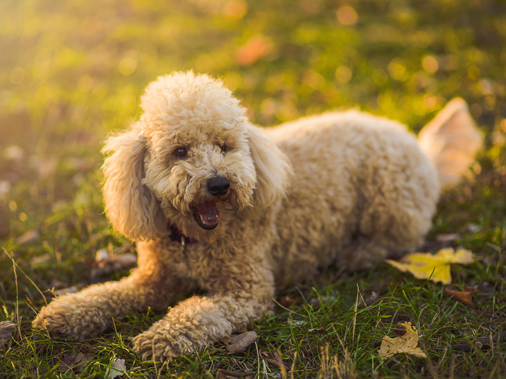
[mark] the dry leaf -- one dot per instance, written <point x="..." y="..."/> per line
<point x="74" y="362"/>
<point x="463" y="297"/>
<point x="255" y="48"/>
<point x="241" y="342"/>
<point x="6" y="330"/>
<point x="436" y="267"/>
<point x="286" y="301"/>
<point x="471" y="289"/>
<point x="117" y="368"/>
<point x="226" y="340"/>
<point x="406" y="344"/>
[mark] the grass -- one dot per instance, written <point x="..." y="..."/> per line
<point x="73" y="71"/>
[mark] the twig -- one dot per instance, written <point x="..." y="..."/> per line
<point x="289" y="310"/>
<point x="484" y="342"/>
<point x="355" y="315"/>
<point x="27" y="277"/>
<point x="301" y="294"/>
<point x="495" y="247"/>
<point x="236" y="374"/>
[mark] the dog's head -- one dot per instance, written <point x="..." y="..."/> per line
<point x="192" y="161"/>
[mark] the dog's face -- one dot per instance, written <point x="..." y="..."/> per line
<point x="202" y="175"/>
<point x="192" y="162"/>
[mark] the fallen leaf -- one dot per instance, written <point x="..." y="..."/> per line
<point x="117" y="368"/>
<point x="227" y="340"/>
<point x="255" y="48"/>
<point x="74" y="362"/>
<point x="436" y="267"/>
<point x="463" y="297"/>
<point x="286" y="301"/>
<point x="471" y="289"/>
<point x="406" y="344"/>
<point x="241" y="342"/>
<point x="6" y="330"/>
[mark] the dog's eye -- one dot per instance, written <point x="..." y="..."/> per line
<point x="180" y="152"/>
<point x="223" y="148"/>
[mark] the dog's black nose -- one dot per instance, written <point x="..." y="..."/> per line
<point x="218" y="186"/>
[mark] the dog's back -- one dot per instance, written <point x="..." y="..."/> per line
<point x="363" y="189"/>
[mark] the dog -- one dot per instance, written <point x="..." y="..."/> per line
<point x="218" y="204"/>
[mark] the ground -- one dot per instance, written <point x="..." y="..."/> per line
<point x="73" y="71"/>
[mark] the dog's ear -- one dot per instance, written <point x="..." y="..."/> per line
<point x="129" y="204"/>
<point x="273" y="168"/>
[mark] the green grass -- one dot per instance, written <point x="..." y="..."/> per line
<point x="72" y="71"/>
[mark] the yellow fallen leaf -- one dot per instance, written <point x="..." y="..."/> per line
<point x="436" y="267"/>
<point x="406" y="344"/>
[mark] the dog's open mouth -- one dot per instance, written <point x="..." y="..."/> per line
<point x="206" y="215"/>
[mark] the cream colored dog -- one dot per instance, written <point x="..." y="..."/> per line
<point x="218" y="204"/>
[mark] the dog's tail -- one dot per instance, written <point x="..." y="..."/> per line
<point x="451" y="140"/>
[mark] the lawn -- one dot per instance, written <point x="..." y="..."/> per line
<point x="73" y="71"/>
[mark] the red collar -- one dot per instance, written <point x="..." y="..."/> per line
<point x="178" y="236"/>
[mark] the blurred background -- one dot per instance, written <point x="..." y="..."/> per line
<point x="72" y="71"/>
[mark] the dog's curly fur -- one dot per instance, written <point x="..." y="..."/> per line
<point x="341" y="189"/>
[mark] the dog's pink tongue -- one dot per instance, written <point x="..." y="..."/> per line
<point x="208" y="213"/>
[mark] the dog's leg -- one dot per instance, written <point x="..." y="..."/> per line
<point x="235" y="301"/>
<point x="89" y="312"/>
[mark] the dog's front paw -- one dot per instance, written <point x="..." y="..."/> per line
<point x="72" y="318"/>
<point x="162" y="343"/>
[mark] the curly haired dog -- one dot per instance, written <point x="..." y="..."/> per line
<point x="219" y="204"/>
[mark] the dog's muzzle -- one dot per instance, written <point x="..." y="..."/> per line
<point x="217" y="186"/>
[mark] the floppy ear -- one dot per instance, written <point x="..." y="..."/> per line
<point x="129" y="204"/>
<point x="273" y="168"/>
